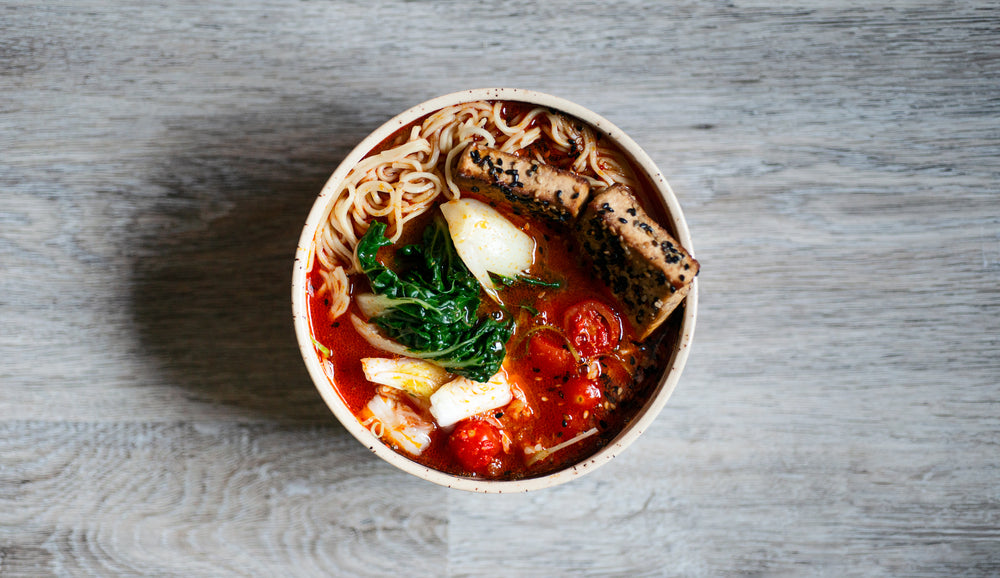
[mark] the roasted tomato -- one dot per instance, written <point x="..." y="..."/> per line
<point x="593" y="328"/>
<point x="547" y="352"/>
<point x="582" y="392"/>
<point x="475" y="443"/>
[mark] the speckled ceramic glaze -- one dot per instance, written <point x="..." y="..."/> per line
<point x="304" y="258"/>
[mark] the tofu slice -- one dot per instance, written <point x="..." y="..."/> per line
<point x="644" y="266"/>
<point x="539" y="188"/>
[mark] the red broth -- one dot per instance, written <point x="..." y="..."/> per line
<point x="559" y="399"/>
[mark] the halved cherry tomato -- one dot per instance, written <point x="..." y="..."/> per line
<point x="547" y="351"/>
<point x="616" y="375"/>
<point x="582" y="392"/>
<point x="593" y="328"/>
<point x="475" y="444"/>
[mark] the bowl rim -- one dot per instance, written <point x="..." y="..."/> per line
<point x="303" y="324"/>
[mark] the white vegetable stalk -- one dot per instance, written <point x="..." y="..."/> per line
<point x="487" y="242"/>
<point x="370" y="334"/>
<point x="414" y="376"/>
<point x="398" y="423"/>
<point x="462" y="398"/>
<point x="371" y="305"/>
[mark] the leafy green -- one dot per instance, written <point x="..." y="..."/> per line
<point x="430" y="306"/>
<point x="508" y="281"/>
<point x="530" y="309"/>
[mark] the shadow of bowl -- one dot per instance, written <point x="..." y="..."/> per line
<point x="212" y="256"/>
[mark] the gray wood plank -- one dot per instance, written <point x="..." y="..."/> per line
<point x="838" y="166"/>
<point x="204" y="499"/>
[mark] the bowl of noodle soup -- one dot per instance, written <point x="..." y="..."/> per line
<point x="389" y="192"/>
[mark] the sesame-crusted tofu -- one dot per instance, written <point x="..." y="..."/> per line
<point x="541" y="189"/>
<point x="644" y="266"/>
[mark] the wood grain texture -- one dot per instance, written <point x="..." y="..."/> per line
<point x="838" y="166"/>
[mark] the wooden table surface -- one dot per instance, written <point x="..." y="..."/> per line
<point x="838" y="164"/>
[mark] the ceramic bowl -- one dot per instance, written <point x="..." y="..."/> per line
<point x="671" y="370"/>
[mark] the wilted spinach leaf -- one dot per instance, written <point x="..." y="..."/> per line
<point x="432" y="303"/>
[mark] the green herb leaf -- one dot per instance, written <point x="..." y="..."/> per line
<point x="536" y="281"/>
<point x="508" y="281"/>
<point x="321" y="348"/>
<point x="529" y="309"/>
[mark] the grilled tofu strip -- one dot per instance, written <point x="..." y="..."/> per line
<point x="644" y="266"/>
<point x="539" y="188"/>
